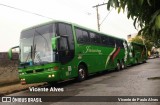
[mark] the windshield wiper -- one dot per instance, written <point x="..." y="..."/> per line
<point x="32" y="55"/>
<point x="39" y="58"/>
<point x="36" y="55"/>
<point x="29" y="54"/>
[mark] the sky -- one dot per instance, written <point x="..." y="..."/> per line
<point x="13" y="21"/>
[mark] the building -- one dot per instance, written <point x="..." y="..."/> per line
<point x="131" y="36"/>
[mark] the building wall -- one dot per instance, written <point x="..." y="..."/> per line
<point x="8" y="68"/>
<point x="130" y="37"/>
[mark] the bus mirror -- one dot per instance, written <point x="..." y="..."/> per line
<point x="54" y="42"/>
<point x="64" y="36"/>
<point x="10" y="54"/>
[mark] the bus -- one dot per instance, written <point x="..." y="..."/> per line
<point x="57" y="51"/>
<point x="137" y="52"/>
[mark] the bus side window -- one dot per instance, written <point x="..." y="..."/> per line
<point x="82" y="36"/>
<point x="111" y="41"/>
<point x="104" y="40"/>
<point x="119" y="43"/>
<point x="79" y="35"/>
<point x="85" y="36"/>
<point x="98" y="39"/>
<point x="65" y="29"/>
<point x="95" y="39"/>
<point x="66" y="44"/>
<point x="63" y="42"/>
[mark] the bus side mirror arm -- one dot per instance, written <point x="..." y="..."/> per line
<point x="54" y="42"/>
<point x="10" y="54"/>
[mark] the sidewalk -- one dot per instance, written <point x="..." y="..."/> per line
<point x="16" y="87"/>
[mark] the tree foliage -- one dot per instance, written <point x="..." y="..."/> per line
<point x="139" y="39"/>
<point x="145" y="13"/>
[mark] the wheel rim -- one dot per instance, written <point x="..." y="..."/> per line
<point x="82" y="73"/>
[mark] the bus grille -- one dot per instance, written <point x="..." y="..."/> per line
<point x="34" y="71"/>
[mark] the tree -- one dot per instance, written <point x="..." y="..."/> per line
<point x="145" y="13"/>
<point x="139" y="39"/>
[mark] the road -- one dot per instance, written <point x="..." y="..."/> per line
<point x="139" y="80"/>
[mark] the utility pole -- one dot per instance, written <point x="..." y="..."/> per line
<point x="98" y="25"/>
<point x="98" y="19"/>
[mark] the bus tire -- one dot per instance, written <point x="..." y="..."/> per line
<point x="118" y="66"/>
<point x="144" y="61"/>
<point x="82" y="73"/>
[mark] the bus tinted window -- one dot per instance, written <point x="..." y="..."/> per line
<point x="62" y="29"/>
<point x="82" y="36"/>
<point x="85" y="36"/>
<point x="94" y="38"/>
<point x="66" y="29"/>
<point x="104" y="40"/>
<point x="111" y="41"/>
<point x="119" y="43"/>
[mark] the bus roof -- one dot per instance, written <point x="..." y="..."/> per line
<point x="74" y="24"/>
<point x="137" y="43"/>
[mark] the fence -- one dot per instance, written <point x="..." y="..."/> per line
<point x="8" y="68"/>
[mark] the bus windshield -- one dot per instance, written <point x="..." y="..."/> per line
<point x="35" y="45"/>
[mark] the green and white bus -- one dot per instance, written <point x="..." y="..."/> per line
<point x="137" y="53"/>
<point x="57" y="51"/>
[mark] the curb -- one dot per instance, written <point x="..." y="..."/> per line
<point x="15" y="90"/>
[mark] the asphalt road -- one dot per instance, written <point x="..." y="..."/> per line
<point x="139" y="80"/>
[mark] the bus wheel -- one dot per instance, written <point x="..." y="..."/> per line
<point x="81" y="73"/>
<point x="118" y="66"/>
<point x="144" y="61"/>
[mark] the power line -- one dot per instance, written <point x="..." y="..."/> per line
<point x="25" y="11"/>
<point x="106" y="17"/>
<point x="83" y="10"/>
<point x="86" y="12"/>
<point x="98" y="25"/>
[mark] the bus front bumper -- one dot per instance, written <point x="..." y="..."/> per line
<point x="40" y="77"/>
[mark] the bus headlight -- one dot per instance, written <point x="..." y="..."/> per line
<point x="20" y="73"/>
<point x="23" y="79"/>
<point x="51" y="76"/>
